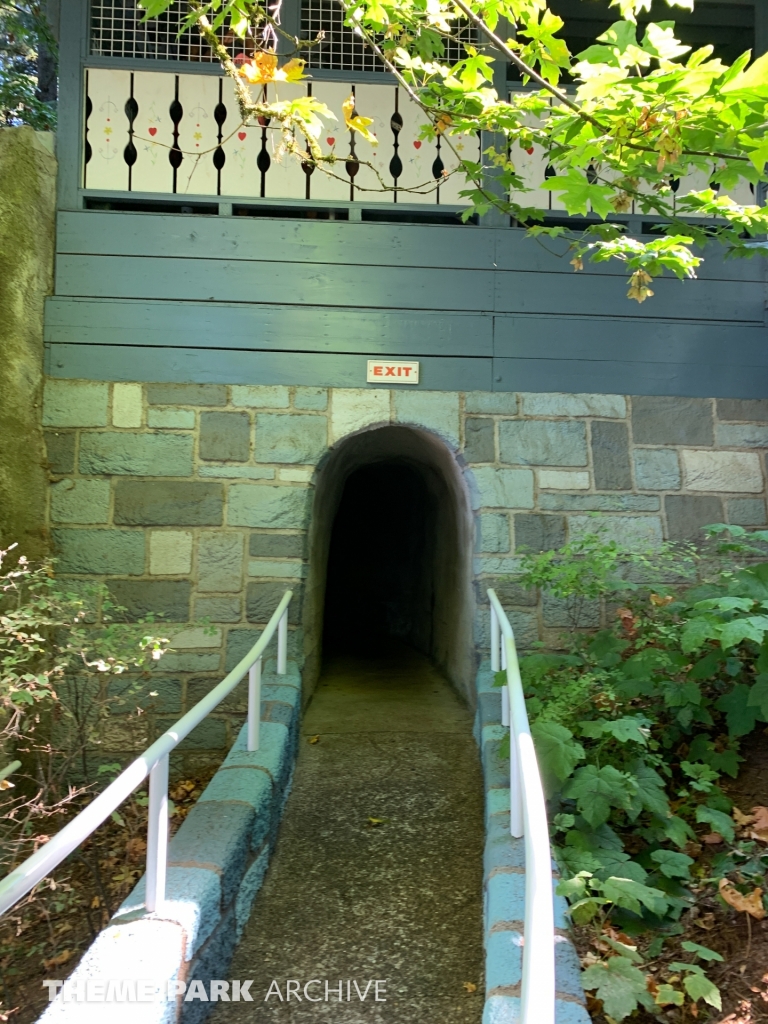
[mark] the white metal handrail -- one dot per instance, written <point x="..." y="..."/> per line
<point x="153" y="763"/>
<point x="528" y="817"/>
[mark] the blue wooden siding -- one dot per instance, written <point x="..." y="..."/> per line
<point x="197" y="298"/>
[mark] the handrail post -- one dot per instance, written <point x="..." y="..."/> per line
<point x="494" y="640"/>
<point x="157" y="834"/>
<point x="282" y="644"/>
<point x="254" y="704"/>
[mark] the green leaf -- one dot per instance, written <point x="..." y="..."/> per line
<point x="556" y="749"/>
<point x="669" y="996"/>
<point x="758" y="694"/>
<point x="618" y="983"/>
<point x="579" y="195"/>
<point x="597" y="790"/>
<point x="696" y="632"/>
<point x="671" y="864"/>
<point x="651" y="792"/>
<point x="622" y="729"/>
<point x="698" y="986"/>
<point x="720" y="822"/>
<point x="701" y="951"/>
<point x="753" y="628"/>
<point x="753" y="80"/>
<point x="741" y="716"/>
<point x="625" y="892"/>
<point x="678" y="831"/>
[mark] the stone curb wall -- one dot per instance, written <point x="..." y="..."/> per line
<point x="504" y="887"/>
<point x="195" y="500"/>
<point x="216" y="865"/>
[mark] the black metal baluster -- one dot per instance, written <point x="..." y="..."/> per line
<point x="129" y="153"/>
<point x="306" y="165"/>
<point x="437" y="170"/>
<point x="87" y="150"/>
<point x="352" y="164"/>
<point x="219" y="156"/>
<point x="175" y="156"/>
<point x="263" y="160"/>
<point x="396" y="124"/>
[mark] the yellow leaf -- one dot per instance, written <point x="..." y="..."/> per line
<point x="261" y="69"/>
<point x="752" y="904"/>
<point x="355" y="122"/>
<point x="313" y="739"/>
<point x="293" y="71"/>
<point x="470" y="986"/>
<point x="659" y="601"/>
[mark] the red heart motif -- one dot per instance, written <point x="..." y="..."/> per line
<point x="417" y="143"/>
<point x="241" y="135"/>
<point x="330" y="140"/>
<point x="153" y="131"/>
<point x="529" y="151"/>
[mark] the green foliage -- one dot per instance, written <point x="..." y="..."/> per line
<point x="635" y="724"/>
<point x="640" y="113"/>
<point x="26" y="41"/>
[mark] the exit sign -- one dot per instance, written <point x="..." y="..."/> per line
<point x="389" y="372"/>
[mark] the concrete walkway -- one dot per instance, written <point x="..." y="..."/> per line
<point x="347" y="899"/>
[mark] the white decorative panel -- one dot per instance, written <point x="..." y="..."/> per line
<point x="335" y="139"/>
<point x="154" y="93"/>
<point x="107" y="129"/>
<point x="240" y="175"/>
<point x="377" y="102"/>
<point x="467" y="148"/>
<point x="417" y="155"/>
<point x="285" y="177"/>
<point x="198" y="133"/>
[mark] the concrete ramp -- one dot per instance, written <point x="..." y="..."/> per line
<point x="377" y="872"/>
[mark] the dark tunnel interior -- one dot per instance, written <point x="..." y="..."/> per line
<point x="380" y="582"/>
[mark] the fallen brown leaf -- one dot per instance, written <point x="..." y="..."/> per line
<point x="752" y="904"/>
<point x="57" y="961"/>
<point x="712" y="839"/>
<point x="470" y="986"/>
<point x="760" y="819"/>
<point x="742" y="819"/>
<point x="313" y="739"/>
<point x="706" y="921"/>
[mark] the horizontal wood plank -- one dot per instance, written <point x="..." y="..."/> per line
<point x="688" y="345"/>
<point x="226" y="366"/>
<point x="132" y="277"/>
<point x="300" y="328"/>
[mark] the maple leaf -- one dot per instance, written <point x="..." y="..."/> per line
<point x="752" y="904"/>
<point x="355" y="122"/>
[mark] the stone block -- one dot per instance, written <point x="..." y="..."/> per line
<point x="240" y="641"/>
<point x="737" y="472"/>
<point x="193" y="661"/>
<point x="688" y="513"/>
<point x="220" y="563"/>
<point x="492" y="533"/>
<point x="501" y="488"/>
<point x="72" y="403"/>
<point x="496" y="565"/>
<point x="237" y="472"/>
<point x="539" y="533"/>
<point x="170" y="553"/>
<point x="746" y="511"/>
<point x="186" y="394"/>
<point x="437" y="411"/>
<point x="745" y="435"/>
<point x="299" y="475"/>
<point x="508" y="592"/>
<point x="501" y="403"/>
<point x="127" y="405"/>
<point x="740" y="409"/>
<point x="479" y="444"/>
<point x="353" y="409"/>
<point x="263" y="598"/>
<point x="168" y="503"/>
<point x="196" y="637"/>
<point x="278" y="545"/>
<point x="563" y="480"/>
<point x="166" y="598"/>
<point x="123" y="453"/>
<point x="211" y="734"/>
<point x="525" y="625"/>
<point x="290" y="437"/>
<point x="80" y="501"/>
<point x="249" y="889"/>
<point x="171" y="419"/>
<point x="600" y="502"/>
<point x="60" y="450"/>
<point x="570" y="613"/>
<point x="574" y="405"/>
<point x="543" y="443"/>
<point x="633" y="533"/>
<point x="284" y="508"/>
<point x="261" y="396"/>
<point x="218" y="609"/>
<point x="660" y="419"/>
<point x="99" y="552"/>
<point x="225" y="436"/>
<point x="277" y="569"/>
<point x="657" y="469"/>
<point x="315" y="399"/>
<point x="610" y="456"/>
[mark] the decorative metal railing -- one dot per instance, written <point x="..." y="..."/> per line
<point x="528" y="818"/>
<point x="153" y="763"/>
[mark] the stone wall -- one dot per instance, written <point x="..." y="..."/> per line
<point x="195" y="501"/>
<point x="27" y="210"/>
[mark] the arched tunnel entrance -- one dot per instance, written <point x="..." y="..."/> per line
<point x="377" y="873"/>
<point x="391" y="553"/>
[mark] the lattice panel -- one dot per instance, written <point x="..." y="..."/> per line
<point x="158" y="132"/>
<point x="117" y="31"/>
<point x="342" y="49"/>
